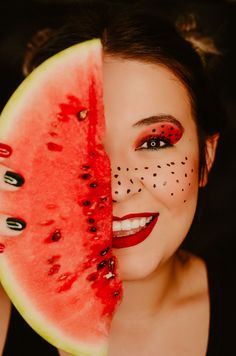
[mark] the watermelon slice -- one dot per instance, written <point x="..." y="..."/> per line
<point x="59" y="270"/>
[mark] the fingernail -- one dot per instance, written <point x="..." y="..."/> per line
<point x="13" y="178"/>
<point x="15" y="224"/>
<point x="5" y="150"/>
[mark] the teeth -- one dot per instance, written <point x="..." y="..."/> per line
<point x="130" y="224"/>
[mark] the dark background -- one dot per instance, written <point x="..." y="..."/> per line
<point x="215" y="226"/>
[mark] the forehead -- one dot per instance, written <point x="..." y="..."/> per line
<point x="135" y="89"/>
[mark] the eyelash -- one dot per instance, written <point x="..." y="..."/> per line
<point x="165" y="143"/>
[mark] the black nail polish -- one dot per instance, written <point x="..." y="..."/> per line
<point x="13" y="178"/>
<point x="15" y="224"/>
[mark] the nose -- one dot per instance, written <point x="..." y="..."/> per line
<point x="125" y="183"/>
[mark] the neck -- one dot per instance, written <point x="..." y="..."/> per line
<point x="145" y="298"/>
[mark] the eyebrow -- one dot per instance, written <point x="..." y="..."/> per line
<point x="158" y="118"/>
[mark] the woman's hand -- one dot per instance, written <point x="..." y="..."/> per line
<point x="10" y="181"/>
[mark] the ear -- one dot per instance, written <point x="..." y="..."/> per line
<point x="210" y="151"/>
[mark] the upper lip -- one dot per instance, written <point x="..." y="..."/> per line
<point x="137" y="215"/>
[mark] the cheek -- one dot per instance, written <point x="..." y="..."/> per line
<point x="172" y="182"/>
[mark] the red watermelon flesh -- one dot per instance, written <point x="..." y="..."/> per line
<point x="59" y="271"/>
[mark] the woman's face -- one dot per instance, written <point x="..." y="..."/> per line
<point x="152" y="142"/>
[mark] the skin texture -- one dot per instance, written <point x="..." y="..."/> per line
<point x="164" y="180"/>
<point x="157" y="282"/>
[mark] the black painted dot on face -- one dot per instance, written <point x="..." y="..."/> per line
<point x="184" y="201"/>
<point x="145" y="167"/>
<point x="189" y="184"/>
<point x="154" y="174"/>
<point x="118" y="168"/>
<point x="168" y="164"/>
<point x="154" y="130"/>
<point x="185" y="175"/>
<point x="171" y="128"/>
<point x="186" y="158"/>
<point x="128" y="191"/>
<point x="131" y="181"/>
<point x="177" y="181"/>
<point x="158" y="166"/>
<point x="162" y="125"/>
<point x="172" y="172"/>
<point x="192" y="170"/>
<point x="142" y="178"/>
<point x="116" y="192"/>
<point x="172" y="163"/>
<point x="164" y="183"/>
<point x="172" y="193"/>
<point x="154" y="185"/>
<point x="183" y="162"/>
<point x="116" y="176"/>
<point x="136" y="169"/>
<point x="119" y="183"/>
<point x="139" y="190"/>
<point x="182" y="189"/>
<point x="114" y="201"/>
<point x="127" y="169"/>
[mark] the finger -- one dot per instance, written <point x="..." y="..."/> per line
<point x="10" y="180"/>
<point x="5" y="151"/>
<point x="11" y="226"/>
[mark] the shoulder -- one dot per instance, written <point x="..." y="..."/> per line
<point x="5" y="309"/>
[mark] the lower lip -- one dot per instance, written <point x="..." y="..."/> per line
<point x="135" y="239"/>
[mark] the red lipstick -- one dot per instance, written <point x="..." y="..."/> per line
<point x="134" y="239"/>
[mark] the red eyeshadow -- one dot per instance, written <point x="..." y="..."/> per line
<point x="169" y="132"/>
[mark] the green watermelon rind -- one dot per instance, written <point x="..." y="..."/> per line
<point x="16" y="294"/>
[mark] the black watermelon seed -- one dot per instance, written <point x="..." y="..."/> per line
<point x="104" y="252"/>
<point x="56" y="236"/>
<point x="93" y="229"/>
<point x="86" y="202"/>
<point x="154" y="130"/>
<point x="116" y="293"/>
<point x="111" y="264"/>
<point x="102" y="264"/>
<point x="91" y="220"/>
<point x="93" y="185"/>
<point x="171" y="128"/>
<point x="85" y="176"/>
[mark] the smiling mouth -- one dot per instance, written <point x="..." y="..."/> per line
<point x="132" y="231"/>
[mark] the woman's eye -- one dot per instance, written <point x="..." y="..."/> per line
<point x="153" y="144"/>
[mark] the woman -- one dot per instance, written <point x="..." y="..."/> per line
<point x="162" y="125"/>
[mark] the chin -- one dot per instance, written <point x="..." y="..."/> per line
<point x="134" y="264"/>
